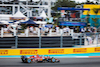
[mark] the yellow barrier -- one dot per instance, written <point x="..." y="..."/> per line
<point x="48" y="51"/>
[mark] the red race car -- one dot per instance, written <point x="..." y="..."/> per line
<point x="37" y="58"/>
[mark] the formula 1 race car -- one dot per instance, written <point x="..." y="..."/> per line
<point x="38" y="58"/>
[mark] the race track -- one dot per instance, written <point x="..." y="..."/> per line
<point x="65" y="62"/>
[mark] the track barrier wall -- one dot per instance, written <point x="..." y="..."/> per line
<point x="48" y="51"/>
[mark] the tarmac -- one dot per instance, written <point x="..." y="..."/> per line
<point x="64" y="62"/>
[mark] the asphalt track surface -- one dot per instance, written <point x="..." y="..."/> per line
<point x="64" y="62"/>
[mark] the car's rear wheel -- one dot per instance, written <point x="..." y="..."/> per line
<point x="29" y="60"/>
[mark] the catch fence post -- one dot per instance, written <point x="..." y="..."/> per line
<point x="61" y="39"/>
<point x="39" y="34"/>
<point x="97" y="36"/>
<point x="2" y="32"/>
<point x="16" y="42"/>
<point x="80" y="39"/>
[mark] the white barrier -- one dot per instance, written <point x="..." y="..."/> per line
<point x="69" y="32"/>
<point x="38" y="32"/>
<point x="27" y="32"/>
<point x="72" y="32"/>
<point x="14" y="31"/>
<point x="50" y="32"/>
<point x="61" y="31"/>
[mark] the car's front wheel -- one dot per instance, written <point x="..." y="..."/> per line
<point x="53" y="60"/>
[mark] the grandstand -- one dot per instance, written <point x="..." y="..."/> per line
<point x="30" y="8"/>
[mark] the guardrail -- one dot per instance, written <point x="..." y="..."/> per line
<point x="41" y="40"/>
<point x="36" y="42"/>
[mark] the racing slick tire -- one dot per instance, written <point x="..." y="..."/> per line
<point x="29" y="60"/>
<point x="53" y="60"/>
<point x="23" y="61"/>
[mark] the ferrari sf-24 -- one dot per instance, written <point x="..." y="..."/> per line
<point x="37" y="58"/>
